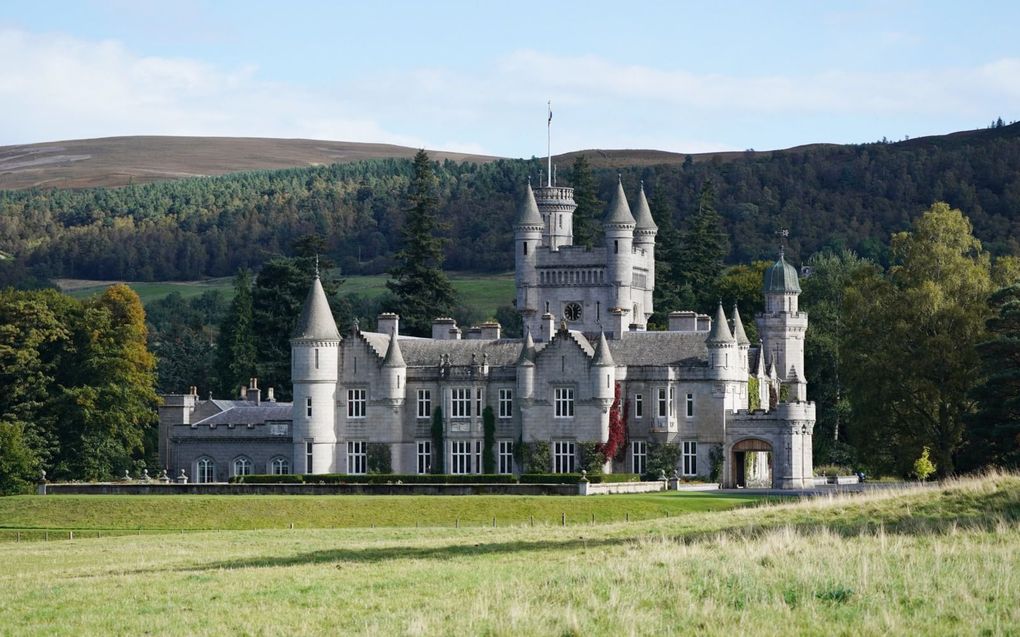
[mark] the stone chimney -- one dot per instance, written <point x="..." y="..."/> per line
<point x="388" y="323"/>
<point x="473" y="334"/>
<point x="254" y="394"/>
<point x="704" y="322"/>
<point x="270" y="398"/>
<point x="548" y="327"/>
<point x="490" y="330"/>
<point x="683" y="321"/>
<point x="443" y="328"/>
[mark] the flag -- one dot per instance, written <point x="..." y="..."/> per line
<point x="550" y="113"/>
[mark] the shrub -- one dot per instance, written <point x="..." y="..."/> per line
<point x="619" y="477"/>
<point x="438" y="457"/>
<point x="662" y="457"/>
<point x="831" y="470"/>
<point x="534" y="457"/>
<point x="378" y="458"/>
<point x="410" y="478"/>
<point x="592" y="457"/>
<point x="753" y="397"/>
<point x="489" y="429"/>
<point x="266" y="478"/>
<point x="715" y="460"/>
<point x="923" y="466"/>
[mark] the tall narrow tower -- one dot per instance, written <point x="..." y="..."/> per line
<point x="528" y="230"/>
<point x="782" y="326"/>
<point x="644" y="256"/>
<point x="619" y="230"/>
<point x="315" y="347"/>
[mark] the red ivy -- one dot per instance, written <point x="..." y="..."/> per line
<point x="619" y="433"/>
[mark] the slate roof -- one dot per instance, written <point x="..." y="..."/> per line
<point x="425" y="352"/>
<point x="643" y="214"/>
<point x="602" y="355"/>
<point x="738" y="328"/>
<point x="316" y="321"/>
<point x="249" y="415"/>
<point x="720" y="332"/>
<point x="527" y="214"/>
<point x="619" y="210"/>
<point x="660" y="348"/>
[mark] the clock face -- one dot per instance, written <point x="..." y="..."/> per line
<point x="572" y="312"/>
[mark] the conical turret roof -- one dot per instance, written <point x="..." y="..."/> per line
<point x="527" y="214"/>
<point x="720" y="328"/>
<point x="394" y="357"/>
<point x="603" y="358"/>
<point x="527" y="356"/>
<point x="643" y="214"/>
<point x="316" y="321"/>
<point x="738" y="328"/>
<point x="619" y="209"/>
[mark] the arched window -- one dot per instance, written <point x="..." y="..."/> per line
<point x="205" y="470"/>
<point x="242" y="466"/>
<point x="279" y="466"/>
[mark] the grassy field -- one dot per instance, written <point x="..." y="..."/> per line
<point x="481" y="291"/>
<point x="939" y="561"/>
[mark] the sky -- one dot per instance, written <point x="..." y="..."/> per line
<point x="476" y="76"/>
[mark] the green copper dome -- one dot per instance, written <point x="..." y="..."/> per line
<point x="781" y="278"/>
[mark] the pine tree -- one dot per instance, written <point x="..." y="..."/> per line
<point x="420" y="287"/>
<point x="235" y="348"/>
<point x="699" y="260"/>
<point x="587" y="230"/>
<point x="666" y="295"/>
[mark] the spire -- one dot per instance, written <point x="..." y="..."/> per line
<point x="772" y="369"/>
<point x="738" y="328"/>
<point x="316" y="321"/>
<point x="527" y="214"/>
<point x="527" y="355"/>
<point x="720" y="329"/>
<point x="643" y="214"/>
<point x="394" y="358"/>
<point x="603" y="358"/>
<point x="619" y="210"/>
<point x="761" y="358"/>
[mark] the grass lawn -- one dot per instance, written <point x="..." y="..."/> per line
<point x="940" y="561"/>
<point x="99" y="512"/>
<point x="485" y="292"/>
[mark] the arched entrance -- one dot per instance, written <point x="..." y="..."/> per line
<point x="752" y="463"/>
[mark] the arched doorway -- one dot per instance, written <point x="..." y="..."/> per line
<point x="752" y="463"/>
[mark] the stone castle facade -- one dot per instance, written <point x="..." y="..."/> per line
<point x="585" y="313"/>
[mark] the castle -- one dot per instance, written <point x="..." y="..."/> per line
<point x="585" y="312"/>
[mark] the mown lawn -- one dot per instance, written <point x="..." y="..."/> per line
<point x="99" y="512"/>
<point x="942" y="561"/>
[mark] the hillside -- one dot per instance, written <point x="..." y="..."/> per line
<point x="118" y="161"/>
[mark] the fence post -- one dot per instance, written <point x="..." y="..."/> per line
<point x="70" y="535"/>
<point x="456" y="523"/>
<point x="494" y="522"/>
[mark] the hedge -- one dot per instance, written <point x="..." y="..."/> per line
<point x="412" y="478"/>
<point x="558" y="478"/>
<point x="265" y="478"/>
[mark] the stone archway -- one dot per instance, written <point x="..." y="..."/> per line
<point x="752" y="463"/>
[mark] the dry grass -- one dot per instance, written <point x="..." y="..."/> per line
<point x="879" y="564"/>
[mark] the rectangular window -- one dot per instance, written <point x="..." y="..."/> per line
<point x="357" y="457"/>
<point x="460" y="402"/>
<point x="316" y="358"/>
<point x="690" y="456"/>
<point x="663" y="404"/>
<point x="460" y="456"/>
<point x="308" y="457"/>
<point x="424" y="456"/>
<point x="506" y="403"/>
<point x="356" y="403"/>
<point x="690" y="405"/>
<point x="564" y="402"/>
<point x="672" y="400"/>
<point x="639" y="405"/>
<point x="424" y="403"/>
<point x="563" y="456"/>
<point x="506" y="456"/>
<point x="308" y="406"/>
<point x="639" y="456"/>
<point x="478" y="401"/>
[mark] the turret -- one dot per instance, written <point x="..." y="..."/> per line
<point x="315" y="346"/>
<point x="644" y="240"/>
<point x="394" y="372"/>
<point x="603" y="373"/>
<point x="528" y="230"/>
<point x="782" y="326"/>
<point x="722" y="347"/>
<point x="526" y="368"/>
<point x="556" y="206"/>
<point x="743" y="344"/>
<point x="619" y="230"/>
<point x="798" y="386"/>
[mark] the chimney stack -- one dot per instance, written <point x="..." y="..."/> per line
<point x="388" y="323"/>
<point x="254" y="394"/>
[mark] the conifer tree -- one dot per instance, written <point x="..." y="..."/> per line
<point x="587" y="230"/>
<point x="420" y="287"/>
<point x="235" y="348"/>
<point x="700" y="256"/>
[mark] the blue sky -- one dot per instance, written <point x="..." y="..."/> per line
<point x="475" y="76"/>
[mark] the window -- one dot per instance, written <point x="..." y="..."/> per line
<point x="242" y="467"/>
<point x="564" y="402"/>
<point x="563" y="456"/>
<point x="460" y="456"/>
<point x="205" y="470"/>
<point x="308" y="406"/>
<point x="279" y="467"/>
<point x="690" y="456"/>
<point x="525" y="244"/>
<point x="690" y="405"/>
<point x="616" y="246"/>
<point x="316" y="358"/>
<point x="308" y="457"/>
<point x="424" y="456"/>
<point x="356" y="403"/>
<point x="424" y="403"/>
<point x="278" y="429"/>
<point x="639" y="405"/>
<point x="506" y="456"/>
<point x="506" y="403"/>
<point x="478" y="401"/>
<point x="672" y="400"/>
<point x="639" y="456"/>
<point x="460" y="402"/>
<point x="663" y="404"/>
<point x="356" y="456"/>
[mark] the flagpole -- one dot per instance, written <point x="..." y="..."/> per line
<point x="548" y="135"/>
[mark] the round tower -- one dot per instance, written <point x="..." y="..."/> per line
<point x="723" y="353"/>
<point x="619" y="230"/>
<point x="603" y="373"/>
<point x="644" y="242"/>
<point x="526" y="368"/>
<point x="315" y="348"/>
<point x="782" y="326"/>
<point x="528" y="229"/>
<point x="394" y="372"/>
<point x="556" y="205"/>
